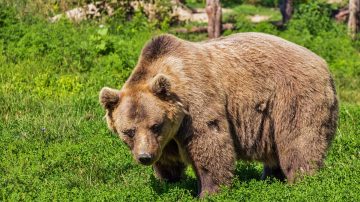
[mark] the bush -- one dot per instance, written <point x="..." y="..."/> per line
<point x="53" y="52"/>
<point x="313" y="17"/>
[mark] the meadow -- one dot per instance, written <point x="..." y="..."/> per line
<point x="54" y="142"/>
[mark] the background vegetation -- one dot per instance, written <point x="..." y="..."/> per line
<point x="54" y="143"/>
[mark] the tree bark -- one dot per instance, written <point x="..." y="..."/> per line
<point x="213" y="11"/>
<point x="354" y="17"/>
<point x="286" y="9"/>
<point x="63" y="5"/>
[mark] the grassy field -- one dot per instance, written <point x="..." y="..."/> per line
<point x="54" y="143"/>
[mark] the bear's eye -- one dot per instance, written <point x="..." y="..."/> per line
<point x="129" y="132"/>
<point x="156" y="128"/>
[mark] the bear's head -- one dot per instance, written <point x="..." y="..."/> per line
<point x="146" y="116"/>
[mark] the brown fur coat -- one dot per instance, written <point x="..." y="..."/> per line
<point x="248" y="96"/>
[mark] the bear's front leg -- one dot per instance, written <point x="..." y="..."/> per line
<point x="170" y="166"/>
<point x="170" y="171"/>
<point x="213" y="158"/>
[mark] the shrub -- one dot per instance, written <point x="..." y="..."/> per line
<point x="313" y="17"/>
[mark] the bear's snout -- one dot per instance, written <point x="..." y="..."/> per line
<point x="145" y="159"/>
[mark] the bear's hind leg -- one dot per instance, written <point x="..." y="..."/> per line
<point x="303" y="139"/>
<point x="296" y="164"/>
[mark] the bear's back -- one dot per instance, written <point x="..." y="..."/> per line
<point x="265" y="61"/>
<point x="265" y="48"/>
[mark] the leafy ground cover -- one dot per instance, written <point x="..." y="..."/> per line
<point x="54" y="143"/>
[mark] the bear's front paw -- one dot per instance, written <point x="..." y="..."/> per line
<point x="208" y="191"/>
<point x="169" y="173"/>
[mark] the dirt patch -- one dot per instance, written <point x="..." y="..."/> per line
<point x="258" y="18"/>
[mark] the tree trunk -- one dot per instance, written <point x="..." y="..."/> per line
<point x="63" y="6"/>
<point x="213" y="11"/>
<point x="286" y="9"/>
<point x="354" y="17"/>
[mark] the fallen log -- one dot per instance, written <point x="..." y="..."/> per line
<point x="89" y="11"/>
<point x="177" y="11"/>
<point x="341" y="15"/>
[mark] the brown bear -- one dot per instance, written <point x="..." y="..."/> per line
<point x="248" y="96"/>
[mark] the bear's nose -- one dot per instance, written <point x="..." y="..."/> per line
<point x="145" y="158"/>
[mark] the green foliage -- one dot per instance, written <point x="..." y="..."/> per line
<point x="55" y="144"/>
<point x="241" y="14"/>
<point x="11" y="28"/>
<point x="195" y="3"/>
<point x="268" y="3"/>
<point x="313" y="17"/>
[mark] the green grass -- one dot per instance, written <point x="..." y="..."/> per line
<point x="250" y="10"/>
<point x="195" y="3"/>
<point x="54" y="143"/>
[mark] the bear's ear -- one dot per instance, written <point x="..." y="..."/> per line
<point x="160" y="85"/>
<point x="109" y="98"/>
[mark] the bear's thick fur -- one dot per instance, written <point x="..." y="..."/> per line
<point x="247" y="96"/>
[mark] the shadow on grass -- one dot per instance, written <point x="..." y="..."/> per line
<point x="243" y="172"/>
<point x="162" y="187"/>
<point x="246" y="172"/>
